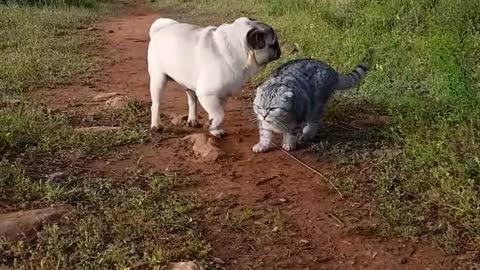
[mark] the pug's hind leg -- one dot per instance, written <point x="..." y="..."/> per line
<point x="214" y="107"/>
<point x="157" y="85"/>
<point x="192" y="109"/>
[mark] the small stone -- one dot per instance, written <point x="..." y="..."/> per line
<point x="24" y="224"/>
<point x="283" y="200"/>
<point x="304" y="241"/>
<point x="275" y="229"/>
<point x="110" y="31"/>
<point x="117" y="102"/>
<point x="96" y="129"/>
<point x="104" y="96"/>
<point x="91" y="28"/>
<point x="55" y="175"/>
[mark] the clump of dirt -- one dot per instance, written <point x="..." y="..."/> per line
<point x="205" y="147"/>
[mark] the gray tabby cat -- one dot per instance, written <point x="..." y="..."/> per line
<point x="294" y="96"/>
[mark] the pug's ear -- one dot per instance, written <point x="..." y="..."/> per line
<point x="256" y="39"/>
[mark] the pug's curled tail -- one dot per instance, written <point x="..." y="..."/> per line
<point x="349" y="80"/>
<point x="159" y="24"/>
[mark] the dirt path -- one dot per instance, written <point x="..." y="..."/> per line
<point x="262" y="211"/>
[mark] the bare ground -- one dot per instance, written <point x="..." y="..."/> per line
<point x="260" y="211"/>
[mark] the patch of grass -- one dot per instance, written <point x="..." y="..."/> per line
<point x="42" y="47"/>
<point x="54" y="3"/>
<point x="238" y="221"/>
<point x="29" y="128"/>
<point x="16" y="188"/>
<point x="426" y="77"/>
<point x="139" y="223"/>
<point x="39" y="46"/>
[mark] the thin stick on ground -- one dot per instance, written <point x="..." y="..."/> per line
<point x="311" y="169"/>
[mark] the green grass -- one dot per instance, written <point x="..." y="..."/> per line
<point x="41" y="50"/>
<point x="47" y="51"/>
<point x="55" y="3"/>
<point x="426" y="77"/>
<point x="135" y="223"/>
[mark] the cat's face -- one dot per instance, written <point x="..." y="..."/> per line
<point x="273" y="108"/>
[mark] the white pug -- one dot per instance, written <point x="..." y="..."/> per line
<point x="211" y="63"/>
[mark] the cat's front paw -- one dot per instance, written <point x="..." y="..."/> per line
<point x="305" y="139"/>
<point x="288" y="147"/>
<point x="260" y="148"/>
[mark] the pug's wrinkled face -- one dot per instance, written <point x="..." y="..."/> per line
<point x="262" y="40"/>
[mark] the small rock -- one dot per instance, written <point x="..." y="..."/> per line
<point x="96" y="129"/>
<point x="104" y="96"/>
<point x="282" y="200"/>
<point x="110" y="31"/>
<point x="372" y="254"/>
<point x="117" y="102"/>
<point x="55" y="175"/>
<point x="205" y="146"/>
<point x="304" y="241"/>
<point x="91" y="29"/>
<point x="185" y="266"/>
<point x="275" y="229"/>
<point x="13" y="102"/>
<point x="24" y="224"/>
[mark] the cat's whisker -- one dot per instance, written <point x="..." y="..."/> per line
<point x="253" y="120"/>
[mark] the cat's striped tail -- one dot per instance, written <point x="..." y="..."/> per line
<point x="350" y="80"/>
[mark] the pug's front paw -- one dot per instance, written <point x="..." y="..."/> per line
<point x="217" y="133"/>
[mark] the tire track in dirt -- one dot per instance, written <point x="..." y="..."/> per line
<point x="295" y="220"/>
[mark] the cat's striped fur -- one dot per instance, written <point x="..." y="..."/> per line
<point x="294" y="96"/>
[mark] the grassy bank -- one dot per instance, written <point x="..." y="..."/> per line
<point x="426" y="77"/>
